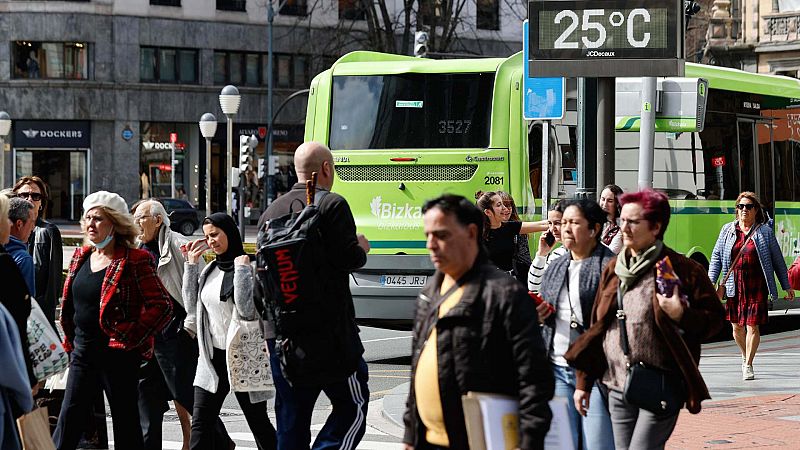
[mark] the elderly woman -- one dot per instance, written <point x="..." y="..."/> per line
<point x="569" y="285"/>
<point x="44" y="245"/>
<point x="547" y="251"/>
<point x="609" y="201"/>
<point x="113" y="305"/>
<point x="666" y="330"/>
<point x="749" y="245"/>
<point x="223" y="288"/>
<point x="500" y="236"/>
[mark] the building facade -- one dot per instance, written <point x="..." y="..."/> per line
<point x="98" y="89"/>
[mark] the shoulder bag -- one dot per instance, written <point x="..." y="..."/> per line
<point x="721" y="287"/>
<point x="247" y="357"/>
<point x="649" y="388"/>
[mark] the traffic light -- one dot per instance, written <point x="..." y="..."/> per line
<point x="247" y="152"/>
<point x="421" y="44"/>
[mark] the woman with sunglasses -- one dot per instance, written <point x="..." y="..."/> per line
<point x="751" y="285"/>
<point x="44" y="245"/>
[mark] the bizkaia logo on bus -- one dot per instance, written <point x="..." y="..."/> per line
<point x="396" y="216"/>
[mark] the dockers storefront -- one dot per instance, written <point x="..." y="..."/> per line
<point x="59" y="152"/>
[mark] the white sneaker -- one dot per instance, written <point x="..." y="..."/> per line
<point x="748" y="374"/>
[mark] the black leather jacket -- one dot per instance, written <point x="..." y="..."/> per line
<point x="18" y="303"/>
<point x="488" y="342"/>
<point x="48" y="261"/>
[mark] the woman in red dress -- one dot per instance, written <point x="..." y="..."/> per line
<point x="751" y="283"/>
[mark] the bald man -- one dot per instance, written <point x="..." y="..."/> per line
<point x="345" y="384"/>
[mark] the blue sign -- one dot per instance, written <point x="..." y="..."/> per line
<point x="542" y="98"/>
<point x="127" y="134"/>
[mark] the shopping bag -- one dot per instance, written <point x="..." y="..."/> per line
<point x="247" y="357"/>
<point x="34" y="430"/>
<point x="47" y="353"/>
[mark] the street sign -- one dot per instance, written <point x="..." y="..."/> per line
<point x="606" y="38"/>
<point x="681" y="105"/>
<point x="542" y="98"/>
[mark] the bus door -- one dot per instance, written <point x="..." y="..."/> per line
<point x="754" y="137"/>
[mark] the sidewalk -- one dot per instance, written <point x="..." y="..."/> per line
<point x="763" y="413"/>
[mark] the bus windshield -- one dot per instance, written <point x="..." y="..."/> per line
<point x="411" y="111"/>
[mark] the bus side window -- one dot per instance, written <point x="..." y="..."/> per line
<point x="720" y="156"/>
<point x="535" y="158"/>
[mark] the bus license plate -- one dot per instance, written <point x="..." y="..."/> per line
<point x="403" y="280"/>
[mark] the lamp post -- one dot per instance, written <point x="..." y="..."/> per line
<point x="229" y="100"/>
<point x="208" y="128"/>
<point x="5" y="128"/>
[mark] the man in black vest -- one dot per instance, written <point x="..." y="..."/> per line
<point x="345" y="251"/>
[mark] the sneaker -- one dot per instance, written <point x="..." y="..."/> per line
<point x="748" y="374"/>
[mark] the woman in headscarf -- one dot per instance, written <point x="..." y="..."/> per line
<point x="224" y="284"/>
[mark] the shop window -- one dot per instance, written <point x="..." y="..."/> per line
<point x="351" y="10"/>
<point x="294" y="8"/>
<point x="488" y="15"/>
<point x="59" y="60"/>
<point x="232" y="5"/>
<point x="166" y="2"/>
<point x="168" y="65"/>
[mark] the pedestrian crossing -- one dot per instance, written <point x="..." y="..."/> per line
<point x="246" y="441"/>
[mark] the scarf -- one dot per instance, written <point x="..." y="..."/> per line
<point x="225" y="261"/>
<point x="630" y="268"/>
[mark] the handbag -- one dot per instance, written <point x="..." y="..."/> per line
<point x="47" y="354"/>
<point x="34" y="430"/>
<point x="721" y="287"/>
<point x="649" y="388"/>
<point x="247" y="357"/>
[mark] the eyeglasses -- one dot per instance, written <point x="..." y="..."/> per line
<point x="742" y="206"/>
<point x="140" y="218"/>
<point x="35" y="196"/>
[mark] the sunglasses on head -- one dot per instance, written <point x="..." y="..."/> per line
<point x="35" y="196"/>
<point x="742" y="206"/>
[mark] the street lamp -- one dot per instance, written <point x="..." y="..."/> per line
<point x="5" y="127"/>
<point x="229" y="100"/>
<point x="208" y="128"/>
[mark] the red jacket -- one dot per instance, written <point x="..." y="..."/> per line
<point x="794" y="274"/>
<point x="133" y="303"/>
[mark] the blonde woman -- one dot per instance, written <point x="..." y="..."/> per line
<point x="113" y="305"/>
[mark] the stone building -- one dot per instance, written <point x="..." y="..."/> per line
<point x="96" y="88"/>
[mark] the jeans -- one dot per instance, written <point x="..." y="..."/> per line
<point x="594" y="431"/>
<point x="294" y="405"/>
<point x="637" y="428"/>
<point x="91" y="369"/>
<point x="207" y="406"/>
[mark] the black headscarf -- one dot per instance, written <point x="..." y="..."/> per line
<point x="235" y="248"/>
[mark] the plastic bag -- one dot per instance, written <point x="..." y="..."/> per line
<point x="47" y="353"/>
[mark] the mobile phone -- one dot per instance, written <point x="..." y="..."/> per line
<point x="538" y="300"/>
<point x="549" y="239"/>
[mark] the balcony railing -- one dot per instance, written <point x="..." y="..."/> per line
<point x="781" y="27"/>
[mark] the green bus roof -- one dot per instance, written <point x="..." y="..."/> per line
<point x="363" y="63"/>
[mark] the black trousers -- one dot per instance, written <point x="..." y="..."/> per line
<point x="207" y="406"/>
<point x="91" y="370"/>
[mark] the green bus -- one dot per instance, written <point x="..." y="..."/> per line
<point x="403" y="130"/>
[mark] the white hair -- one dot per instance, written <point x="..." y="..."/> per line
<point x="157" y="209"/>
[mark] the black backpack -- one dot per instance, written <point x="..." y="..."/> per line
<point x="291" y="262"/>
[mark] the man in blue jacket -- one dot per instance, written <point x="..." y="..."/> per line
<point x="23" y="220"/>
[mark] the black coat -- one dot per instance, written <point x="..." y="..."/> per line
<point x="17" y="300"/>
<point x="48" y="260"/>
<point x="488" y="342"/>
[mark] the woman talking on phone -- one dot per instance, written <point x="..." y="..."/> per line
<point x="569" y="286"/>
<point x="223" y="288"/>
<point x="547" y="251"/>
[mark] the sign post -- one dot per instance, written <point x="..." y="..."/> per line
<point x="173" y="138"/>
<point x="542" y="98"/>
<point x="605" y="39"/>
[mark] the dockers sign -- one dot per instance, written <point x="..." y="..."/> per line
<point x="51" y="134"/>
